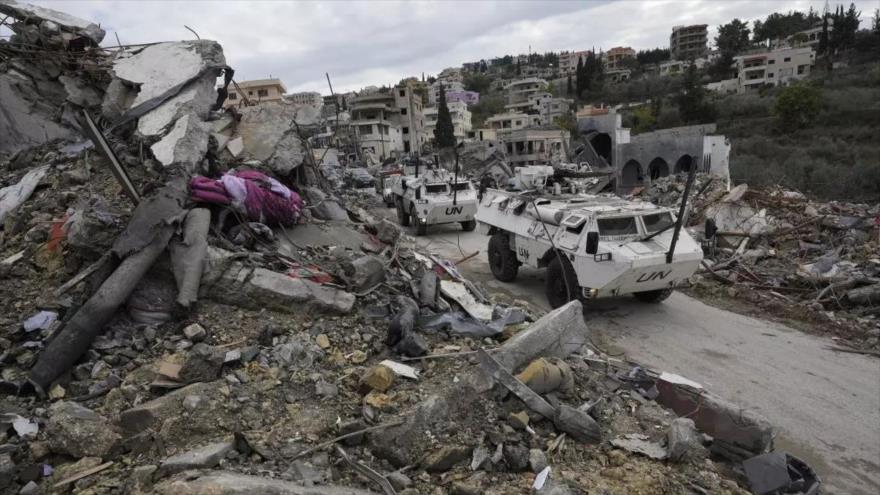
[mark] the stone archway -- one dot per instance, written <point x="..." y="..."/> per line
<point x="658" y="168"/>
<point x="602" y="144"/>
<point x="631" y="174"/>
<point x="684" y="164"/>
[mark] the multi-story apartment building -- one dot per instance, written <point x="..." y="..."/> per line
<point x="461" y="119"/>
<point x="544" y="105"/>
<point x="520" y="90"/>
<point x="256" y="91"/>
<point x="311" y="98"/>
<point x="451" y="74"/>
<point x="467" y="97"/>
<point x="688" y="42"/>
<point x="375" y="122"/>
<point x="411" y="117"/>
<point x="532" y="146"/>
<point x="568" y="61"/>
<point x="772" y="68"/>
<point x="510" y="121"/>
<point x="614" y="57"/>
<point x="448" y="86"/>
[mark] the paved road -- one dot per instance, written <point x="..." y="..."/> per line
<point x="826" y="405"/>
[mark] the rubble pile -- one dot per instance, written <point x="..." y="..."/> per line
<point x="161" y="337"/>
<point x="783" y="253"/>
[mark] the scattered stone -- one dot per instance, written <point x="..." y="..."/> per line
<point x="142" y="477"/>
<point x="399" y="480"/>
<point x="556" y="334"/>
<point x="326" y="390"/>
<point x="364" y="273"/>
<point x="192" y="402"/>
<point x="227" y="483"/>
<point x="57" y="392"/>
<point x="77" y="431"/>
<point x="203" y="364"/>
<point x="378" y="378"/>
<point x="519" y="421"/>
<point x="517" y="457"/>
<point x="153" y="413"/>
<point x="480" y="457"/>
<point x="323" y="341"/>
<point x="683" y="441"/>
<point x="578" y="424"/>
<point x="201" y="458"/>
<point x="31" y="488"/>
<point x="537" y="460"/>
<point x="638" y="443"/>
<point x="39" y="450"/>
<point x="445" y="458"/>
<point x="351" y="427"/>
<point x="195" y="332"/>
<point x="7" y="470"/>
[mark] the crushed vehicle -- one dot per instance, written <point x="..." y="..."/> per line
<point x="591" y="245"/>
<point x="384" y="185"/>
<point x="359" y="178"/>
<point x="430" y="195"/>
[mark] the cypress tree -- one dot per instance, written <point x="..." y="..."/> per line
<point x="568" y="87"/>
<point x="444" y="132"/>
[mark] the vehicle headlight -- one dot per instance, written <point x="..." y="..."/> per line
<point x="422" y="201"/>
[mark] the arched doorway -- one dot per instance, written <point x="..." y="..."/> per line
<point x="631" y="174"/>
<point x="684" y="164"/>
<point x="658" y="168"/>
<point x="602" y="144"/>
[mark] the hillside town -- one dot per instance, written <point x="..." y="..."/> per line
<point x="591" y="270"/>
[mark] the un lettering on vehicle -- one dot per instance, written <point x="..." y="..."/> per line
<point x="522" y="252"/>
<point x="648" y="277"/>
<point x="453" y="210"/>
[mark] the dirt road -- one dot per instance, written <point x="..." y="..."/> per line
<point x="825" y="405"/>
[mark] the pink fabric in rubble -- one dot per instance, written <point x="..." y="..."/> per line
<point x="260" y="197"/>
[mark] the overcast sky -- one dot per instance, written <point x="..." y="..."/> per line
<point x="363" y="43"/>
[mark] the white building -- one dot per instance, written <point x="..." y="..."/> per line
<point x="451" y="74"/>
<point x="543" y="105"/>
<point x="311" y="98"/>
<point x="520" y="90"/>
<point x="411" y="118"/>
<point x="376" y="125"/>
<point x="568" y="61"/>
<point x="434" y="89"/>
<point x="461" y="119"/>
<point x="772" y="68"/>
<point x="510" y="121"/>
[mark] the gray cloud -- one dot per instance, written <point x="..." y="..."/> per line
<point x="362" y="43"/>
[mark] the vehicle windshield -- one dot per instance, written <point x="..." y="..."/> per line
<point x="657" y="221"/>
<point x="617" y="226"/>
<point x="435" y="188"/>
<point x="461" y="186"/>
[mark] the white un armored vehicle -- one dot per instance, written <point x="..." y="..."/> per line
<point x="427" y="195"/>
<point x="592" y="246"/>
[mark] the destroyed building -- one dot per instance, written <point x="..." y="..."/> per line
<point x="189" y="306"/>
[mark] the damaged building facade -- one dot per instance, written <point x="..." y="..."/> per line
<point x="636" y="160"/>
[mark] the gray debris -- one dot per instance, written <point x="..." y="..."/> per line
<point x="78" y="431"/>
<point x="201" y="458"/>
<point x="203" y="364"/>
<point x="537" y="460"/>
<point x="12" y="197"/>
<point x="259" y="288"/>
<point x="65" y="22"/>
<point x="517" y="457"/>
<point x="556" y="334"/>
<point x="364" y="273"/>
<point x="683" y="441"/>
<point x="387" y="231"/>
<point x="446" y="457"/>
<point x="227" y="483"/>
<point x="7" y="471"/>
<point x="324" y="206"/>
<point x="578" y="424"/>
<point x="195" y="332"/>
<point x="639" y="444"/>
<point x="153" y="413"/>
<point x="31" y="488"/>
<point x="399" y="480"/>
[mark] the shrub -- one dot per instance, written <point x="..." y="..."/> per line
<point x="797" y="106"/>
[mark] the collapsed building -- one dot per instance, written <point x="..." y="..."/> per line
<point x="190" y="307"/>
<point x="636" y="160"/>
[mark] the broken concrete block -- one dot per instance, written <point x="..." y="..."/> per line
<point x="537" y="460"/>
<point x="197" y="98"/>
<point x="195" y="332"/>
<point x="270" y="136"/>
<point x="387" y="231"/>
<point x="683" y="441"/>
<point x="517" y="457"/>
<point x="204" y="457"/>
<point x="364" y="273"/>
<point x="324" y="206"/>
<point x="556" y="334"/>
<point x="203" y="364"/>
<point x="724" y="421"/>
<point x="79" y="431"/>
<point x="543" y="376"/>
<point x="7" y="471"/>
<point x="153" y="413"/>
<point x="227" y="483"/>
<point x="259" y="288"/>
<point x="638" y="443"/>
<point x="185" y="145"/>
<point x="235" y="146"/>
<point x="445" y="458"/>
<point x="79" y="93"/>
<point x="578" y="424"/>
<point x="11" y="197"/>
<point x="60" y="20"/>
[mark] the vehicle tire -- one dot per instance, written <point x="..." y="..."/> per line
<point x="421" y="228"/>
<point x="469" y="225"/>
<point x="402" y="216"/>
<point x="502" y="259"/>
<point x="561" y="284"/>
<point x="653" y="296"/>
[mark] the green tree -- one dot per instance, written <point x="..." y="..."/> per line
<point x="444" y="132"/>
<point x="579" y="77"/>
<point x="654" y="56"/>
<point x="475" y="81"/>
<point x="518" y="68"/>
<point x="568" y="88"/>
<point x="797" y="106"/>
<point x="692" y="104"/>
<point x="779" y="26"/>
<point x="732" y="38"/>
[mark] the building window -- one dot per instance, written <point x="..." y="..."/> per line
<point x="402" y="111"/>
<point x="406" y="130"/>
<point x="250" y="93"/>
<point x="365" y="129"/>
<point x="787" y="59"/>
<point x="262" y="92"/>
<point x="770" y="75"/>
<point x="519" y="122"/>
<point x="771" y="62"/>
<point x="233" y="96"/>
<point x="802" y="69"/>
<point x="402" y="93"/>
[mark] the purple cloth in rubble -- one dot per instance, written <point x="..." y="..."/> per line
<point x="260" y="197"/>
